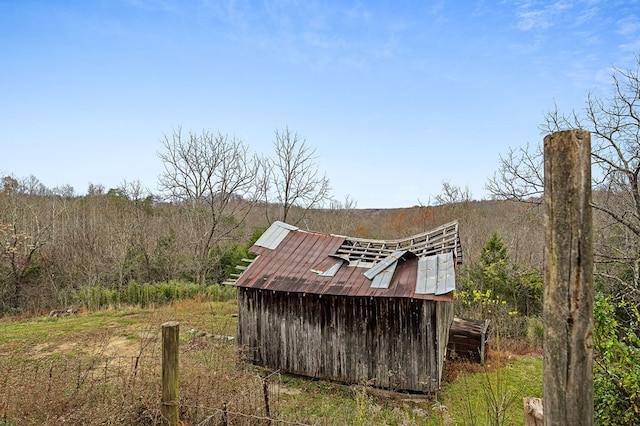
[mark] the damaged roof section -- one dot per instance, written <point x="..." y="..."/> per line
<point x="442" y="239"/>
<point x="293" y="260"/>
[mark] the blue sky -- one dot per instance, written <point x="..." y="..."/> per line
<point x="396" y="96"/>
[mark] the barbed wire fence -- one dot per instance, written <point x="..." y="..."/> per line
<point x="215" y="389"/>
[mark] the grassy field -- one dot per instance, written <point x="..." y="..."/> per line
<point x="104" y="368"/>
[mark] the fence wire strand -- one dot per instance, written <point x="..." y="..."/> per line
<point x="125" y="389"/>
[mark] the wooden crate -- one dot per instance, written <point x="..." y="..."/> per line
<point x="469" y="338"/>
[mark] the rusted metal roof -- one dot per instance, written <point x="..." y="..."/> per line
<point x="293" y="260"/>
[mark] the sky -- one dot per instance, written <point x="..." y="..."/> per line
<point x="397" y="97"/>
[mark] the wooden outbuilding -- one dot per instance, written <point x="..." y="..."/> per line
<point x="351" y="310"/>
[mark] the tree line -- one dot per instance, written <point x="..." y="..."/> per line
<point x="215" y="196"/>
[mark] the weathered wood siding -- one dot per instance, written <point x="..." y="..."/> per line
<point x="392" y="343"/>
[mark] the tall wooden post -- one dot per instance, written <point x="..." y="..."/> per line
<point x="170" y="408"/>
<point x="568" y="280"/>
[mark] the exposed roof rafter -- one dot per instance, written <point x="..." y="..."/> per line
<point x="439" y="240"/>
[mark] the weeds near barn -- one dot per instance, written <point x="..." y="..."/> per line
<point x="491" y="394"/>
<point x="362" y="405"/>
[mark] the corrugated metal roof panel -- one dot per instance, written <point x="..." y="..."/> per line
<point x="436" y="274"/>
<point x="421" y="279"/>
<point x="333" y="269"/>
<point x="384" y="264"/>
<point x="446" y="281"/>
<point x="274" y="235"/>
<point x="431" y="270"/>
<point x="383" y="278"/>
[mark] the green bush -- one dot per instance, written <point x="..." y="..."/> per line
<point x="616" y="363"/>
<point x="535" y="331"/>
<point x="496" y="288"/>
<point x="221" y="293"/>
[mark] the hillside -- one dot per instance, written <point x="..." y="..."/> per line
<point x="519" y="225"/>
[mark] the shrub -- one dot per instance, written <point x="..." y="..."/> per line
<point x="616" y="363"/>
<point x="535" y="331"/>
<point x="145" y="295"/>
<point x="221" y="293"/>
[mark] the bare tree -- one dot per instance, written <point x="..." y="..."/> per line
<point x="213" y="177"/>
<point x="453" y="194"/>
<point x="614" y="123"/>
<point x="9" y="184"/>
<point x="340" y="217"/>
<point x="140" y="226"/>
<point x="519" y="176"/>
<point x="25" y="229"/>
<point x="291" y="179"/>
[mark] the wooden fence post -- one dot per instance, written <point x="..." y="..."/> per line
<point x="170" y="408"/>
<point x="533" y="411"/>
<point x="568" y="280"/>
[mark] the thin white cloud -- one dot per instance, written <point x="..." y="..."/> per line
<point x="388" y="48"/>
<point x="589" y="37"/>
<point x="628" y="26"/>
<point x="533" y="19"/>
<point x="436" y="8"/>
<point x="536" y="16"/>
<point x="586" y="15"/>
<point x="322" y="36"/>
<point x="633" y="47"/>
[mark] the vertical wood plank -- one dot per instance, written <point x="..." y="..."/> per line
<point x="568" y="280"/>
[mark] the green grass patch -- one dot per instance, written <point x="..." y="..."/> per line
<point x="492" y="395"/>
<point x="475" y="396"/>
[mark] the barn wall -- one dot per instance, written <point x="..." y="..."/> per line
<point x="385" y="342"/>
<point x="444" y="319"/>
